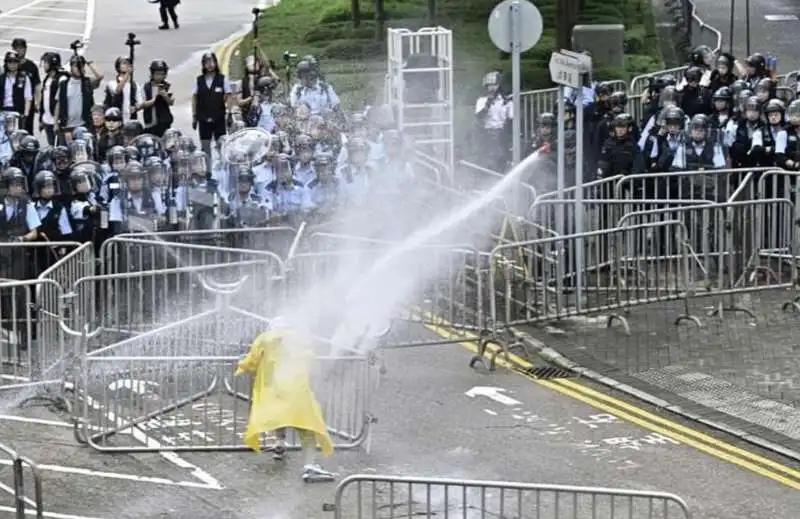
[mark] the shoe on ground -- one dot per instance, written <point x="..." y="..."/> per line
<point x="316" y="474"/>
<point x="163" y="27"/>
<point x="278" y="453"/>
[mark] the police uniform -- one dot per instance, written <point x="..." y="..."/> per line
<point x="18" y="217"/>
<point x="250" y="210"/>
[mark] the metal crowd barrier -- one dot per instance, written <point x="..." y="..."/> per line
<point x="373" y="496"/>
<point x="25" y="503"/>
<point x="174" y="380"/>
<point x="622" y="267"/>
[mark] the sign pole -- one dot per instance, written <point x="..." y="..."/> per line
<point x="516" y="124"/>
<point x="560" y="181"/>
<point x="578" y="214"/>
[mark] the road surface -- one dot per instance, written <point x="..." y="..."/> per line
<point x="435" y="417"/>
<point x="773" y="24"/>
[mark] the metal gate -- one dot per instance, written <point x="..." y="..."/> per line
<point x="372" y="497"/>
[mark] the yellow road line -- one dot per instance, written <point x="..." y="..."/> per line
<point x="225" y="53"/>
<point x="719" y="449"/>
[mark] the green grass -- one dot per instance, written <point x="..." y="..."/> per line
<point x="354" y="59"/>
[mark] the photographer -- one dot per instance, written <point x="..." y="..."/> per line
<point x="20" y="46"/>
<point x="211" y="97"/>
<point x="53" y="74"/>
<point x="16" y="90"/>
<point x="122" y="92"/>
<point x="75" y="97"/>
<point x="156" y="100"/>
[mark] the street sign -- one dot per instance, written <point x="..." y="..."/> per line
<point x="566" y="70"/>
<point x="584" y="60"/>
<point x="500" y="25"/>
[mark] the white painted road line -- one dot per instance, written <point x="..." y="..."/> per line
<point x="87" y="29"/>
<point x="42" y="421"/>
<point x="43" y="31"/>
<point x="49" y="515"/>
<point x="57" y="10"/>
<point x="48" y="18"/>
<point x="149" y="441"/>
<point x="114" y="475"/>
<point x="6" y="14"/>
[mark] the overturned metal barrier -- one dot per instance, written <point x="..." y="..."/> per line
<point x="169" y="387"/>
<point x="24" y="475"/>
<point x="368" y="496"/>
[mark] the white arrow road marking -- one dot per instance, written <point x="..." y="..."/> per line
<point x="492" y="393"/>
<point x="142" y="387"/>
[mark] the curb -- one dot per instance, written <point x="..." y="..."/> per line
<point x="557" y="359"/>
<point x="225" y="52"/>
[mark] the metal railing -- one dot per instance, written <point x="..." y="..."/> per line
<point x="369" y="496"/>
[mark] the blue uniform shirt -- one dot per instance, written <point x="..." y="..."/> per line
<point x="43" y="209"/>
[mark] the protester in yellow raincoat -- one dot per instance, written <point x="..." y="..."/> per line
<point x="282" y="397"/>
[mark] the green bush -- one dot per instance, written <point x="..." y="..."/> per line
<point x="339" y="11"/>
<point x="636" y="40"/>
<point x="353" y="50"/>
<point x="340" y="30"/>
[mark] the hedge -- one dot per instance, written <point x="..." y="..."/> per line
<point x="324" y="28"/>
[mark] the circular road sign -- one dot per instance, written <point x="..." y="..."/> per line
<point x="500" y="25"/>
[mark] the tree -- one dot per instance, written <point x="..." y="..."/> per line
<point x="355" y="12"/>
<point x="432" y="12"/>
<point x="566" y="17"/>
<point x="380" y="19"/>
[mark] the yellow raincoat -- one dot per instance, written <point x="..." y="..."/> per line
<point x="282" y="394"/>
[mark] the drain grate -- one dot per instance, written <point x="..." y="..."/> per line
<point x="549" y="372"/>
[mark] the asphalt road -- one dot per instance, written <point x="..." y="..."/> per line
<point x="428" y="425"/>
<point x="772" y="26"/>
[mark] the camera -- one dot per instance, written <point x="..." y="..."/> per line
<point x="256" y="11"/>
<point x="132" y="41"/>
<point x="288" y="56"/>
<point x="75" y="45"/>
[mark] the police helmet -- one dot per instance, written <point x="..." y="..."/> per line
<point x="618" y="99"/>
<point x="42" y="179"/>
<point x="723" y="94"/>
<point x="113" y="114"/>
<point x="774" y="106"/>
<point x="323" y="159"/>
<point x="14" y="176"/>
<point x="701" y="55"/>
<point x="132" y="153"/>
<point x="693" y="74"/>
<point x="699" y="122"/>
<point x="673" y="115"/>
<point x="132" y="129"/>
<point x="29" y="145"/>
<point x="758" y="62"/>
<point x="134" y="169"/>
<point x="266" y="83"/>
<point x="668" y="96"/>
<point x="158" y="65"/>
<point x="604" y="89"/>
<point x="303" y="69"/>
<point x="60" y="156"/>
<point x="303" y="141"/>
<point x="622" y="120"/>
<point x="766" y="85"/>
<point x="793" y="111"/>
<point x="752" y="104"/>
<point x="737" y="86"/>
